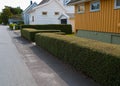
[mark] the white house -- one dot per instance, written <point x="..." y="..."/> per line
<point x="49" y="11"/>
<point x="25" y="13"/>
<point x="68" y="18"/>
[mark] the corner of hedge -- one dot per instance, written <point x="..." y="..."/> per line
<point x="100" y="61"/>
<point x="29" y="33"/>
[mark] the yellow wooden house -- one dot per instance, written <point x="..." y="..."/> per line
<point x="98" y="19"/>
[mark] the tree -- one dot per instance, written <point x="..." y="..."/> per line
<point x="16" y="11"/>
<point x="9" y="12"/>
<point x="0" y="19"/>
<point x="5" y="15"/>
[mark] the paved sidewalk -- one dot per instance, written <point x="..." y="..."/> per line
<point x="13" y="70"/>
<point x="47" y="69"/>
<point x="24" y="64"/>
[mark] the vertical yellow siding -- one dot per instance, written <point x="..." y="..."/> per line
<point x="72" y="22"/>
<point x="105" y="20"/>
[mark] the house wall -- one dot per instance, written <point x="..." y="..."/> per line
<point x="50" y="18"/>
<point x="26" y="14"/>
<point x="100" y="36"/>
<point x="103" y="25"/>
<point x="105" y="20"/>
<point x="72" y="22"/>
<point x="26" y="18"/>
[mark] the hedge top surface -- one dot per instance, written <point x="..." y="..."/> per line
<point x="32" y="30"/>
<point x="94" y="45"/>
<point x="67" y="28"/>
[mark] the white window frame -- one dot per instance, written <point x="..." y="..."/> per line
<point x="116" y="7"/>
<point x="91" y="10"/>
<point x="81" y="11"/>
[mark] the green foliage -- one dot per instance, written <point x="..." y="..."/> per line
<point x="30" y="33"/>
<point x="0" y="19"/>
<point x="100" y="61"/>
<point x="16" y="11"/>
<point x="64" y="28"/>
<point x="11" y="26"/>
<point x="17" y="27"/>
<point x="9" y="12"/>
<point x="5" y="15"/>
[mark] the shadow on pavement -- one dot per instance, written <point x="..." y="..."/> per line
<point x="64" y="71"/>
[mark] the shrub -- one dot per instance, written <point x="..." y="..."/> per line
<point x="17" y="27"/>
<point x="11" y="26"/>
<point x="30" y="33"/>
<point x="100" y="61"/>
<point x="64" y="28"/>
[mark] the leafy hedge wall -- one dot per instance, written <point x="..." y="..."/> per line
<point x="100" y="61"/>
<point x="29" y="33"/>
<point x="64" y="28"/>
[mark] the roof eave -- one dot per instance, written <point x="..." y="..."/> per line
<point x="77" y="2"/>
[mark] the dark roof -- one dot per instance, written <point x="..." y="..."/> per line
<point x="43" y="2"/>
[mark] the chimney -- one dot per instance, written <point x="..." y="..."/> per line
<point x="30" y="2"/>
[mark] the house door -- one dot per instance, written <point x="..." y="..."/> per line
<point x="63" y="21"/>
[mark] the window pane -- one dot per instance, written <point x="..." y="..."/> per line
<point x="118" y="2"/>
<point x="95" y="5"/>
<point x="56" y="13"/>
<point x="81" y="8"/>
<point x="44" y="13"/>
<point x="32" y="18"/>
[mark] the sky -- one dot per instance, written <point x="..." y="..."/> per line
<point x="16" y="3"/>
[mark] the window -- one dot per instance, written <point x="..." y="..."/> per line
<point x="95" y="6"/>
<point x="63" y="21"/>
<point x="81" y="8"/>
<point x="44" y="13"/>
<point x="32" y="18"/>
<point x="56" y="13"/>
<point x="117" y="4"/>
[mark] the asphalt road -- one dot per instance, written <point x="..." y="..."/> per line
<point x="13" y="71"/>
<point x="24" y="64"/>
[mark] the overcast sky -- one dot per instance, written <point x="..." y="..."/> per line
<point x="16" y="3"/>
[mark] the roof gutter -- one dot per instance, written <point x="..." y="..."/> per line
<point x="77" y="2"/>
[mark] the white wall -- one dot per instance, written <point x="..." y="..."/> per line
<point x="50" y="18"/>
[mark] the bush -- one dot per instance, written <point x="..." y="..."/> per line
<point x="17" y="27"/>
<point x="11" y="26"/>
<point x="100" y="61"/>
<point x="30" y="33"/>
<point x="64" y="28"/>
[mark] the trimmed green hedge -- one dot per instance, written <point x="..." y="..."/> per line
<point x="64" y="28"/>
<point x="100" y="61"/>
<point x="30" y="33"/>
